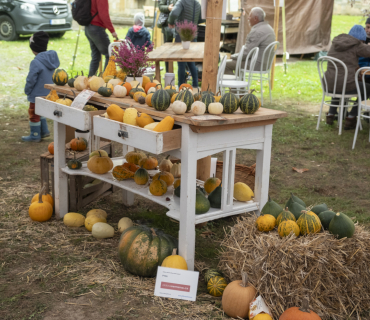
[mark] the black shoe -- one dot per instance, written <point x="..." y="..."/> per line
<point x="350" y="123"/>
<point x="329" y="119"/>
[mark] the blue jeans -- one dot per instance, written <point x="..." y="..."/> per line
<point x="99" y="43"/>
<point x="181" y="66"/>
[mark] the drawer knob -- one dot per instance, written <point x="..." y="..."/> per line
<point x="122" y="134"/>
<point x="57" y="113"/>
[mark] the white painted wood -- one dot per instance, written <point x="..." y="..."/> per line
<point x="60" y="178"/>
<point x="69" y="116"/>
<point x="262" y="177"/>
<point x="140" y="138"/>
<point x="187" y="200"/>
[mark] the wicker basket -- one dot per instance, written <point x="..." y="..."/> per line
<point x="243" y="173"/>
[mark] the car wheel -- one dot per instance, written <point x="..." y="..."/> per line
<point x="57" y="34"/>
<point x="7" y="29"/>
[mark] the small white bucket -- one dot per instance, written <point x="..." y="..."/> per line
<point x="168" y="77"/>
<point x="82" y="134"/>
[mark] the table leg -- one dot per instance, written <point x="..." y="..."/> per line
<point x="128" y="197"/>
<point x="158" y="71"/>
<point x="170" y="66"/>
<point x="187" y="199"/>
<point x="60" y="178"/>
<point x="261" y="187"/>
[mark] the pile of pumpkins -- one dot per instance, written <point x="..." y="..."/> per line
<point x="295" y="218"/>
<point x="96" y="223"/>
<point x="213" y="187"/>
<point x="132" y="117"/>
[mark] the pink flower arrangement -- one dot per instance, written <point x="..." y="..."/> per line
<point x="187" y="30"/>
<point x="132" y="60"/>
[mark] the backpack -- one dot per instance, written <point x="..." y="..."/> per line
<point x="81" y="12"/>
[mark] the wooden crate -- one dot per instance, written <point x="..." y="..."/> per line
<point x="78" y="196"/>
<point x="243" y="173"/>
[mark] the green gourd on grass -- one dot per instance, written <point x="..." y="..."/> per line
<point x="342" y="226"/>
<point x="202" y="204"/>
<point x="296" y="199"/>
<point x="326" y="217"/>
<point x="296" y="209"/>
<point x="320" y="208"/>
<point x="272" y="208"/>
<point x="215" y="197"/>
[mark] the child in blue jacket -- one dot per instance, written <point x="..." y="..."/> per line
<point x="138" y="34"/>
<point x="41" y="72"/>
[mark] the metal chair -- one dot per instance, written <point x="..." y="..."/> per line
<point x="237" y="75"/>
<point x="345" y="101"/>
<point x="241" y="86"/>
<point x="221" y="70"/>
<point x="362" y="105"/>
<point x="265" y="75"/>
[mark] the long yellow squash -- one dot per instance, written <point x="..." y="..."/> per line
<point x="165" y="125"/>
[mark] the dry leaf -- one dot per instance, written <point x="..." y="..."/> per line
<point x="207" y="233"/>
<point x="299" y="170"/>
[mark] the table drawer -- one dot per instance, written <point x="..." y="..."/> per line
<point x="154" y="142"/>
<point x="73" y="117"/>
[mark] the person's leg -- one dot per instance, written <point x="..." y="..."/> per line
<point x="181" y="73"/>
<point x="95" y="54"/>
<point x="44" y="128"/>
<point x="194" y="73"/>
<point x="230" y="66"/>
<point x="35" y="126"/>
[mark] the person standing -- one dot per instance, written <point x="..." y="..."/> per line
<point x="97" y="35"/>
<point x="189" y="10"/>
<point x="260" y="36"/>
<point x="165" y="7"/>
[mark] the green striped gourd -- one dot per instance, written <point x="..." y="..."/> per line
<point x="60" y="77"/>
<point x="230" y="102"/>
<point x="207" y="97"/>
<point x="187" y="97"/>
<point x="309" y="222"/>
<point x="249" y="104"/>
<point x="161" y="99"/>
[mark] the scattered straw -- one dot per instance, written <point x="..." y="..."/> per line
<point x="335" y="274"/>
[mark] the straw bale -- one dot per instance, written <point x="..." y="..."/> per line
<point x="333" y="273"/>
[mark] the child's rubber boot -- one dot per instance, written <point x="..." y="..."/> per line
<point x="35" y="135"/>
<point x="44" y="128"/>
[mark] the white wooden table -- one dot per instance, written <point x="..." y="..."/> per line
<point x="189" y="140"/>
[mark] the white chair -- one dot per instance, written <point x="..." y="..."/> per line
<point x="221" y="70"/>
<point x="237" y="75"/>
<point x="267" y="60"/>
<point x="363" y="106"/>
<point x="241" y="86"/>
<point x="344" y="98"/>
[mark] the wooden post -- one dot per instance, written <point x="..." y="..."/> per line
<point x="204" y="168"/>
<point x="276" y="29"/>
<point x="212" y="44"/>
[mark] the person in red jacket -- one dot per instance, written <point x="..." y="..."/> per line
<point x="96" y="34"/>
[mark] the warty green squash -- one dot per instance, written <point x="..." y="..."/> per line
<point x="161" y="100"/>
<point x="249" y="104"/>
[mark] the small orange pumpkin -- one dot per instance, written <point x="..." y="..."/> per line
<point x="149" y="85"/>
<point x="131" y="166"/>
<point x="185" y="85"/>
<point x="149" y="163"/>
<point x="302" y="313"/>
<point x="78" y="144"/>
<point x="148" y="99"/>
<point x="51" y="147"/>
<point x="46" y="197"/>
<point x="166" y="177"/>
<point x="158" y="187"/>
<point x="39" y="210"/>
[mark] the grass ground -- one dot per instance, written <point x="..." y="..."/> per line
<point x="50" y="272"/>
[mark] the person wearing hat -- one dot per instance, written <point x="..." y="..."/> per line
<point x="41" y="72"/>
<point x="347" y="48"/>
<point x="138" y="34"/>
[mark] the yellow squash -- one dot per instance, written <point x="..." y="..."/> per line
<point x="165" y="125"/>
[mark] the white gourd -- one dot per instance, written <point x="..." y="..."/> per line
<point x="80" y="83"/>
<point x="95" y="83"/>
<point x="215" y="108"/>
<point x="176" y="170"/>
<point x="124" y="223"/>
<point x="151" y="126"/>
<point x="101" y="230"/>
<point x="114" y="82"/>
<point x="179" y="107"/>
<point x="151" y="90"/>
<point x="120" y="91"/>
<point x="198" y="108"/>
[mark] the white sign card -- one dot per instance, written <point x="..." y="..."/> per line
<point x="203" y="5"/>
<point x="258" y="306"/>
<point x="281" y="3"/>
<point x="176" y="284"/>
<point x="82" y="98"/>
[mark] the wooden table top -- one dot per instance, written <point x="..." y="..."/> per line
<point x="237" y="119"/>
<point x="174" y="52"/>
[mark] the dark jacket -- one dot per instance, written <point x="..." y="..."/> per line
<point x="347" y="49"/>
<point x="184" y="10"/>
<point x="163" y="5"/>
<point x="41" y="73"/>
<point x="140" y="37"/>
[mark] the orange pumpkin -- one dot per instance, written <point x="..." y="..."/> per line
<point x="131" y="166"/>
<point x="166" y="177"/>
<point x="148" y="99"/>
<point x="78" y="144"/>
<point x="122" y="173"/>
<point x="127" y="85"/>
<point x="149" y="163"/>
<point x="51" y="147"/>
<point x="40" y="210"/>
<point x="185" y="85"/>
<point x="302" y="313"/>
<point x="149" y="85"/>
<point x="46" y="197"/>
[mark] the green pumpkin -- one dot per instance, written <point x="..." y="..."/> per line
<point x="295" y="199"/>
<point x="249" y="104"/>
<point x="161" y="100"/>
<point x="74" y="164"/>
<point x="342" y="226"/>
<point x="71" y="81"/>
<point x="272" y="208"/>
<point x="105" y="91"/>
<point x="60" y="77"/>
<point x="210" y="273"/>
<point x="216" y="286"/>
<point x="230" y="102"/>
<point x="208" y="91"/>
<point x="142" y="249"/>
<point x="172" y="90"/>
<point x="326" y="217"/>
<point x="177" y="191"/>
<point x="207" y="98"/>
<point x="202" y="204"/>
<point x="187" y="97"/>
<point x="134" y="90"/>
<point x="296" y="209"/>
<point x="320" y="208"/>
<point x="215" y="197"/>
<point x="89" y="107"/>
<point x="141" y="176"/>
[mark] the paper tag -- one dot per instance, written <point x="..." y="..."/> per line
<point x="176" y="284"/>
<point x="258" y="306"/>
<point x="208" y="117"/>
<point x="80" y="101"/>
